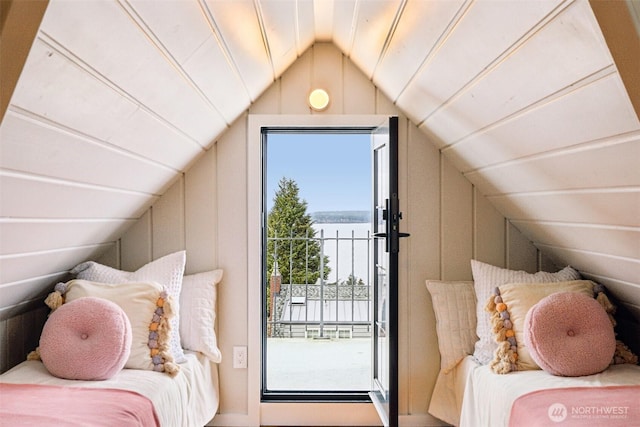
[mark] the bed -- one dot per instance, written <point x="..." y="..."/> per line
<point x="122" y="348"/>
<point x="190" y="398"/>
<point x="482" y="383"/>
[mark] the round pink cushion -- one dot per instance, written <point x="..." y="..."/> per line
<point x="86" y="339"/>
<point x="569" y="334"/>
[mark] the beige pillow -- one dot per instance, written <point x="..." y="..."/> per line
<point x="486" y="278"/>
<point x="454" y="304"/>
<point x="167" y="271"/>
<point x="198" y="313"/>
<point x="508" y="309"/>
<point x="149" y="309"/>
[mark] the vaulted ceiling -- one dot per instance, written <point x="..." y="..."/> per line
<point x="533" y="101"/>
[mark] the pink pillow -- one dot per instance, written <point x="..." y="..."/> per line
<point x="569" y="334"/>
<point x="86" y="339"/>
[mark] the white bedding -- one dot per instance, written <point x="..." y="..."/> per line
<point x="190" y="399"/>
<point x="487" y="397"/>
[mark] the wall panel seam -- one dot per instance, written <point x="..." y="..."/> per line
<point x="79" y="63"/>
<point x="70" y="183"/>
<point x="608" y="141"/>
<point x="495" y="63"/>
<point x="45" y="122"/>
<point x="568" y="90"/>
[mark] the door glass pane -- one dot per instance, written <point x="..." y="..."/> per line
<point x="384" y="391"/>
<point x="318" y="286"/>
<point x="381" y="268"/>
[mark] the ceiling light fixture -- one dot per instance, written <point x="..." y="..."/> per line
<point x="318" y="99"/>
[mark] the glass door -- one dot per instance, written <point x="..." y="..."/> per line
<point x="386" y="231"/>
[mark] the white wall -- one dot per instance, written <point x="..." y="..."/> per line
<point x="206" y="213"/>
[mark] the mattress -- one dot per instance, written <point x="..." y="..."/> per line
<point x="488" y="397"/>
<point x="189" y="399"/>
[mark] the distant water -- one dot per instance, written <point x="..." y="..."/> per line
<point x="344" y="263"/>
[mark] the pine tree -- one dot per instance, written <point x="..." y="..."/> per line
<point x="298" y="256"/>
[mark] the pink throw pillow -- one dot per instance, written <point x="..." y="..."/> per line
<point x="86" y="339"/>
<point x="569" y="334"/>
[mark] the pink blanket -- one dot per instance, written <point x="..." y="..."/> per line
<point x="47" y="405"/>
<point x="578" y="406"/>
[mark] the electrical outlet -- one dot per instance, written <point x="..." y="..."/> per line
<point x="240" y="357"/>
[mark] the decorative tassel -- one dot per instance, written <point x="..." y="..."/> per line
<point x="605" y="303"/>
<point x="171" y="368"/>
<point x="34" y="355"/>
<point x="160" y="353"/>
<point x="506" y="355"/>
<point x="54" y="300"/>
<point x="623" y="354"/>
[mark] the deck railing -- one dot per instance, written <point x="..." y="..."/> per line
<point x="336" y="307"/>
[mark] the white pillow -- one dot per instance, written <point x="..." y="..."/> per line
<point x="167" y="271"/>
<point x="149" y="310"/>
<point x="198" y="313"/>
<point x="486" y="278"/>
<point x="454" y="304"/>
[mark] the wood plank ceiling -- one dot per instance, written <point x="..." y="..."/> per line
<point x="118" y="98"/>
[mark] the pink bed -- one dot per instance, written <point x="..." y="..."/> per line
<point x="479" y="397"/>
<point x="491" y="385"/>
<point x="190" y="398"/>
<point x="51" y="405"/>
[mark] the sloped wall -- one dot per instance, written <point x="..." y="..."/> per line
<point x="206" y="213"/>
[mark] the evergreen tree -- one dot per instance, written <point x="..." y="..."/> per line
<point x="289" y="221"/>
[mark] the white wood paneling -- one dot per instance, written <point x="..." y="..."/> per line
<point x="373" y="25"/>
<point x="226" y="91"/>
<point x="326" y="60"/>
<point x="457" y="223"/>
<point x="344" y="13"/>
<point x="359" y="95"/>
<point x="201" y="213"/>
<point x="27" y="291"/>
<point x="483" y="34"/>
<point x="448" y="220"/>
<point x="525" y="77"/>
<point x="610" y="163"/>
<point x="566" y="121"/>
<point x="26" y="196"/>
<point x="30" y="146"/>
<point x="14" y="268"/>
<point x="136" y="245"/>
<point x="515" y="93"/>
<point x="16" y="340"/>
<point x="111" y="41"/>
<point x="147" y="87"/>
<point x="55" y="88"/>
<point x="280" y="24"/>
<point x="489" y="226"/>
<point x="168" y="222"/>
<point x="295" y="87"/>
<point x="231" y="193"/>
<point x="26" y="235"/>
<point x="606" y="239"/>
<point x="421" y="218"/>
<point x="627" y="269"/>
<point x="522" y="255"/>
<point x="181" y="26"/>
<point x="423" y="26"/>
<point x="614" y="207"/>
<point x="237" y="24"/>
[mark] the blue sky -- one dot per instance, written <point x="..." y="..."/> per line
<point x="333" y="171"/>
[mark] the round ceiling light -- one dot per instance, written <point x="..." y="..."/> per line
<point x="318" y="99"/>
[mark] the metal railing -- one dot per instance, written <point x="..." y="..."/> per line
<point x="339" y="306"/>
